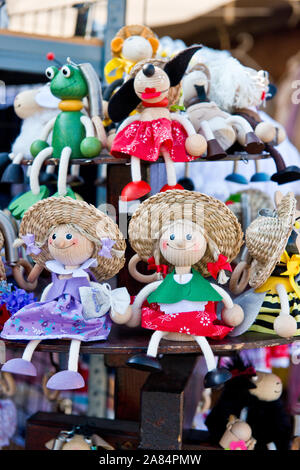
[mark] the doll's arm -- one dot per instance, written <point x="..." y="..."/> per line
<point x="38" y="145"/>
<point x="232" y="314"/>
<point x="285" y="325"/>
<point x="90" y="146"/>
<point x="138" y="302"/>
<point x="195" y="144"/>
<point x="127" y="121"/>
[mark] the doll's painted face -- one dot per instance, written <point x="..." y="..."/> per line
<point x="151" y="84"/>
<point x="182" y="243"/>
<point x="68" y="246"/>
<point x="268" y="386"/>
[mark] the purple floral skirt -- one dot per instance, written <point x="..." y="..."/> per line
<point x="57" y="319"/>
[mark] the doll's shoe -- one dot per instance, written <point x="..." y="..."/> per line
<point x="253" y="144"/>
<point x="216" y="377"/>
<point x="135" y="190"/>
<point x="187" y="183"/>
<point x="236" y="178"/>
<point x="144" y="362"/>
<point x="19" y="366"/>
<point x="214" y="150"/>
<point x="289" y="174"/>
<point x="167" y="187"/>
<point x="259" y="177"/>
<point x="13" y="174"/>
<point x="65" y="380"/>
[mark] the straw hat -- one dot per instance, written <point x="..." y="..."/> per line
<point x="48" y="213"/>
<point x="219" y="223"/>
<point x="174" y="91"/>
<point x="266" y="239"/>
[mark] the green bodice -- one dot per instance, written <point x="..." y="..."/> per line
<point x="197" y="289"/>
<point x="68" y="131"/>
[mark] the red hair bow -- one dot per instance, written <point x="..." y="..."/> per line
<point x="250" y="372"/>
<point x="215" y="268"/>
<point x="159" y="268"/>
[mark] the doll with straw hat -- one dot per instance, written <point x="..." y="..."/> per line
<point x="191" y="235"/>
<point x="79" y="245"/>
<point x="272" y="269"/>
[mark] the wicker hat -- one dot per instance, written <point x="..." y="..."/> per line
<point x="174" y="91"/>
<point x="266" y="239"/>
<point x="53" y="211"/>
<point x="219" y="223"/>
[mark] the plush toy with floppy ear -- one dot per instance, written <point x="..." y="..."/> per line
<point x="219" y="127"/>
<point x="130" y="45"/>
<point x="154" y="130"/>
<point x="241" y="90"/>
<point x="254" y="397"/>
<point x="272" y="268"/>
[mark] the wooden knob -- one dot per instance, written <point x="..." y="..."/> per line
<point x="265" y="131"/>
<point x="285" y="326"/>
<point x="196" y="145"/>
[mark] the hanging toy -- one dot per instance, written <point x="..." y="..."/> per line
<point x="195" y="235"/>
<point x="78" y="244"/>
<point x="154" y="130"/>
<point x="272" y="267"/>
<point x="218" y="127"/>
<point x="74" y="134"/>
<point x="130" y="45"/>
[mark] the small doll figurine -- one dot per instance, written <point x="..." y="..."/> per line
<point x="154" y="130"/>
<point x="196" y="235"/>
<point x="78" y="244"/>
<point x="238" y="435"/>
<point x="131" y="44"/>
<point x="272" y="266"/>
<point x="74" y="134"/>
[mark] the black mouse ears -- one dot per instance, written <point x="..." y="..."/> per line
<point x="125" y="100"/>
<point x="176" y="67"/>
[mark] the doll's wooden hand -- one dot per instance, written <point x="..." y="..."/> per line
<point x="121" y="319"/>
<point x="195" y="145"/>
<point x="285" y="326"/>
<point x="90" y="147"/>
<point x="37" y="146"/>
<point x="233" y="316"/>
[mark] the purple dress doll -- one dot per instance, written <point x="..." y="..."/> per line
<point x="76" y="243"/>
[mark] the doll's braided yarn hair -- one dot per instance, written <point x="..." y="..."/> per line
<point x="213" y="218"/>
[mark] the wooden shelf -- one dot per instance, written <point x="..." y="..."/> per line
<point x="124" y="340"/>
<point x="107" y="158"/>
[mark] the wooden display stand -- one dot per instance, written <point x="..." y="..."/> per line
<point x="152" y="411"/>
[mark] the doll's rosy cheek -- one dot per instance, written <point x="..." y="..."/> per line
<point x="75" y="241"/>
<point x="50" y="240"/>
<point x="164" y="245"/>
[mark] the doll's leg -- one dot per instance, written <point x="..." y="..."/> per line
<point x="214" y="149"/>
<point x="68" y="379"/>
<point x="171" y="172"/>
<point x="245" y="134"/>
<point x="23" y="365"/>
<point x="36" y="168"/>
<point x="148" y="361"/>
<point x="215" y="376"/>
<point x="137" y="188"/>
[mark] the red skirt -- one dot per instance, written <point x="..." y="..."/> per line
<point x="195" y="323"/>
<point x="143" y="139"/>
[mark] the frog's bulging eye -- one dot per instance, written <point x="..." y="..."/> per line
<point x="50" y="73"/>
<point x="69" y="236"/>
<point x="66" y="71"/>
<point x="54" y="236"/>
<point x="172" y="236"/>
<point x="188" y="236"/>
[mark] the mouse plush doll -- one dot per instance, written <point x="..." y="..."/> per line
<point x="154" y="130"/>
<point x="186" y="236"/>
<point x="79" y="245"/>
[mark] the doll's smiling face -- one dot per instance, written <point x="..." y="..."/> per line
<point x="68" y="246"/>
<point x="182" y="243"/>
